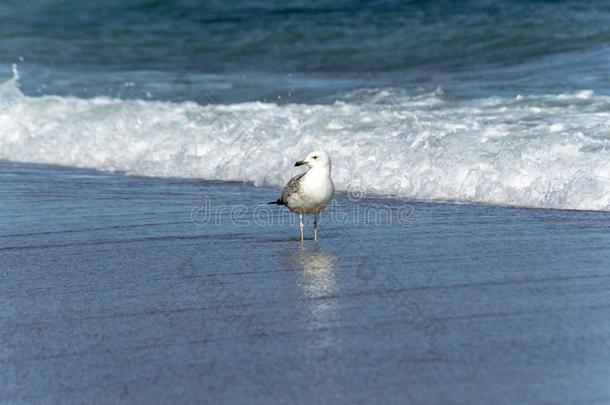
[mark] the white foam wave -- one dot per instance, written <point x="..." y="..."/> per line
<point x="536" y="151"/>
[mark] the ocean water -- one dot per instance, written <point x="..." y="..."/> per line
<point x="497" y="102"/>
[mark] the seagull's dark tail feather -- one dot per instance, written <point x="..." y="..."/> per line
<point x="278" y="202"/>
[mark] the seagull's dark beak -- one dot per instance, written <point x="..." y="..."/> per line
<point x="299" y="163"/>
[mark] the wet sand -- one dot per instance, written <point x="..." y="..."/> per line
<point x="123" y="289"/>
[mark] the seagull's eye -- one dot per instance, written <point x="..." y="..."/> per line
<point x="315" y="157"/>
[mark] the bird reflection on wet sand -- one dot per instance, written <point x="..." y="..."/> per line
<point x="315" y="277"/>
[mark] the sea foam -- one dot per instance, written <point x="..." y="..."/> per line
<point x="546" y="151"/>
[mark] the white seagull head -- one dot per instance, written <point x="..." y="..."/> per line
<point x="317" y="158"/>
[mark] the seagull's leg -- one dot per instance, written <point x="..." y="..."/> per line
<point x="315" y="226"/>
<point x="302" y="226"/>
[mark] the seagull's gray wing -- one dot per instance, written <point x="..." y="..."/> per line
<point x="292" y="187"/>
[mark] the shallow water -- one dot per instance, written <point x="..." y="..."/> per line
<point x="132" y="289"/>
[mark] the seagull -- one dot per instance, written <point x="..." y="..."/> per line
<point x="309" y="192"/>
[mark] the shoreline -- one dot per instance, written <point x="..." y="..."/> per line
<point x="369" y="196"/>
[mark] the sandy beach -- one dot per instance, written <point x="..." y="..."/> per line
<point x="126" y="289"/>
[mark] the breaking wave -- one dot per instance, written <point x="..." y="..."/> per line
<point x="547" y="151"/>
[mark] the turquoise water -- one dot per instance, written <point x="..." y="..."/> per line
<point x="474" y="47"/>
